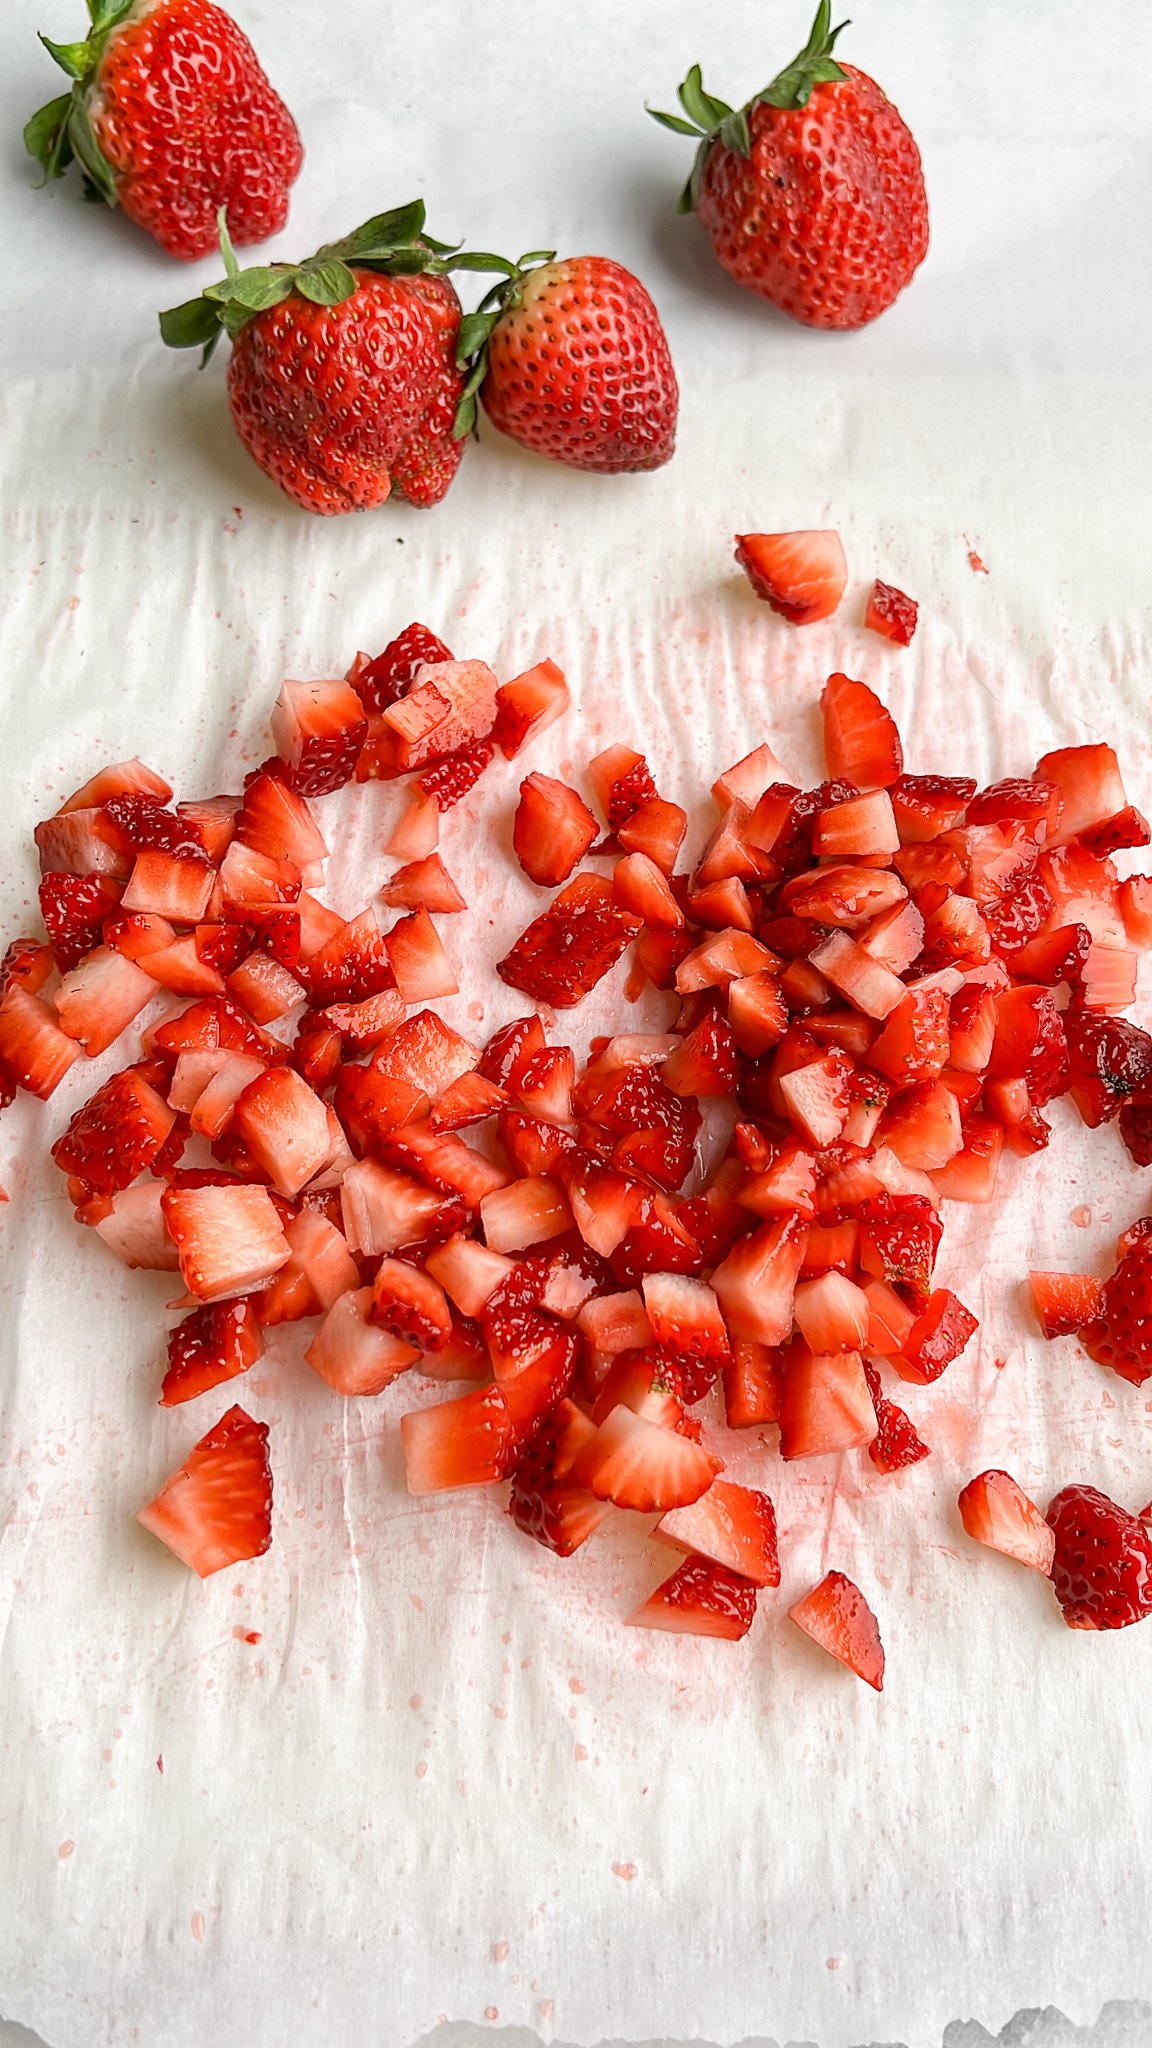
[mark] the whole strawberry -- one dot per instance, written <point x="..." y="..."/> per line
<point x="570" y="360"/>
<point x="343" y="382"/>
<point x="171" y="118"/>
<point x="1102" y="1569"/>
<point x="812" y="193"/>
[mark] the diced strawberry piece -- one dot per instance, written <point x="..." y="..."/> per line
<point x="930" y="871"/>
<point x="939" y="1334"/>
<point x="319" y="1271"/>
<point x="364" y="1026"/>
<point x="450" y="705"/>
<point x="28" y="963"/>
<point x="832" y="1314"/>
<point x="996" y="1511"/>
<point x="890" y="613"/>
<point x="847" y="1181"/>
<point x="216" y="1510"/>
<point x="729" y="855"/>
<point x="211" y="1024"/>
<point x="384" y="1210"/>
<point x="122" y="778"/>
<point x="445" y="1162"/>
<point x="352" y="965"/>
<point x="133" y="1228"/>
<point x="264" y="988"/>
<point x="815" y="1098"/>
<point x="318" y="729"/>
<point x="285" y="1127"/>
<point x="1120" y="1334"/>
<point x="1089" y="784"/>
<point x="730" y="956"/>
<point x="971" y="1175"/>
<point x="169" y="885"/>
<point x="509" y="1051"/>
<point x="804" y="988"/>
<point x="899" y="1239"/>
<point x="756" y="1283"/>
<point x="700" y="1598"/>
<point x="276" y="821"/>
<point x="641" y="1465"/>
<point x="552" y="831"/>
<point x="418" y="961"/>
<point x="545" y="1084"/>
<point x="371" y="1105"/>
<point x="426" y="1052"/>
<point x="656" y="831"/>
<point x="923" y="1127"/>
<point x="752" y="1386"/>
<point x="786" y="1186"/>
<point x="229" y="1238"/>
<point x="34" y="1052"/>
<point x="924" y="806"/>
<point x="526" y="1213"/>
<point x="1109" y="1061"/>
<point x="381" y="681"/>
<point x="640" y="888"/>
<point x="896" y="1444"/>
<point x="956" y="931"/>
<point x="862" y="825"/>
<point x="613" y="1323"/>
<point x="468" y="1272"/>
<point x="845" y="896"/>
<point x="98" y="1000"/>
<point x="354" y="1354"/>
<point x="861" y="742"/>
<point x="1102" y="1568"/>
<point x="865" y="981"/>
<point x="210" y="1346"/>
<point x="1055" y="955"/>
<point x="622" y="782"/>
<point x="543" y="1502"/>
<point x="74" y="844"/>
<point x="417" y="834"/>
<point x="471" y="1441"/>
<point x="448" y="781"/>
<point x="74" y="908"/>
<point x="1083" y="890"/>
<point x="411" y="1304"/>
<point x="135" y="823"/>
<point x="837" y="1616"/>
<point x="1135" y="1124"/>
<point x="527" y="705"/>
<point x="1108" y="978"/>
<point x="704" y="1063"/>
<point x="569" y="948"/>
<point x="116" y="1135"/>
<point x="212" y="819"/>
<point x="757" y="1012"/>
<point x="379" y="759"/>
<point x="1016" y="801"/>
<point x="914" y="1044"/>
<point x="801" y="575"/>
<point x="1065" y="1302"/>
<point x="648" y="1382"/>
<point x="222" y="946"/>
<point x="1134" y="898"/>
<point x="824" y="1404"/>
<point x="423" y="885"/>
<point x="832" y="1248"/>
<point x="686" y="1321"/>
<point x="746" y="781"/>
<point x="722" y="907"/>
<point x="890" y="1320"/>
<point x="972" y="1029"/>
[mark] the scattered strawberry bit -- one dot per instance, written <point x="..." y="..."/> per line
<point x="1102" y="1567"/>
<point x="837" y="1616"/>
<point x="216" y="1510"/>
<point x="801" y="575"/>
<point x="996" y="1511"/>
<point x="891" y="614"/>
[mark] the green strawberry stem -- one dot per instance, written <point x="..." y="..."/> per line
<point x="61" y="132"/>
<point x="709" y="120"/>
<point x="395" y="244"/>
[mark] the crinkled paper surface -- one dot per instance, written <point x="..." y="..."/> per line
<point x="446" y="1781"/>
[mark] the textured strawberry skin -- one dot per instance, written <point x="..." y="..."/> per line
<point x="1102" y="1570"/>
<point x="189" y="123"/>
<point x="579" y="369"/>
<point x="342" y="405"/>
<point x="828" y="218"/>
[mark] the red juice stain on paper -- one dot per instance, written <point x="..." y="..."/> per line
<point x="546" y="2008"/>
<point x="160" y="1764"/>
<point x="625" y="1870"/>
<point x="499" y="1951"/>
<point x="65" y="1851"/>
<point x="975" y="562"/>
<point x="491" y="2012"/>
<point x="197" y="1926"/>
<point x="246" y="1635"/>
<point x="1082" y="1216"/>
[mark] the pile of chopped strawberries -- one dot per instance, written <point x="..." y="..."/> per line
<point x="879" y="985"/>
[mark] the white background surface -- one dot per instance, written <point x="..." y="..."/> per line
<point x="811" y="1862"/>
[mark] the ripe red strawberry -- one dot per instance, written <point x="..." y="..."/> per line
<point x="801" y="575"/>
<point x="1102" y="1570"/>
<point x="217" y="1508"/>
<point x="210" y="1346"/>
<point x="1119" y="1334"/>
<point x="382" y="681"/>
<point x="570" y="360"/>
<point x="343" y="382"/>
<point x="171" y="118"/>
<point x="812" y="194"/>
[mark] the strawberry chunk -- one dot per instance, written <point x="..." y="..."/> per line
<point x="117" y="1134"/>
<point x="939" y="1334"/>
<point x="527" y="705"/>
<point x="357" y="1356"/>
<point x="639" y="1464"/>
<point x="544" y="1502"/>
<point x="861" y="742"/>
<point x="552" y="830"/>
<point x="34" y="1052"/>
<point x="467" y="1442"/>
<point x="450" y="705"/>
<point x="837" y="1616"/>
<point x="734" y="1526"/>
<point x="571" y="946"/>
<point x="210" y="1346"/>
<point x="825" y="1404"/>
<point x="285" y="1127"/>
<point x="228" y="1238"/>
<point x="896" y="1444"/>
<point x="1109" y="1061"/>
<point x="74" y="908"/>
<point x="890" y="613"/>
<point x="1065" y="1302"/>
<point x="381" y="681"/>
<point x="801" y="575"/>
<point x="756" y="1283"/>
<point x="1119" y="1334"/>
<point x="448" y="781"/>
<point x="216" y="1510"/>
<point x="318" y="730"/>
<point x="699" y="1599"/>
<point x="1102" y="1567"/>
<point x="996" y="1511"/>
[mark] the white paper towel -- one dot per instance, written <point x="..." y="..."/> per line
<point x="446" y="1781"/>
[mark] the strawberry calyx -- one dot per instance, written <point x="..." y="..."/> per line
<point x="61" y="132"/>
<point x="709" y="120"/>
<point x="477" y="329"/>
<point x="393" y="243"/>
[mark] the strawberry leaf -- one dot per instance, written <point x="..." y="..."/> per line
<point x="192" y="325"/>
<point x="674" y="122"/>
<point x="46" y="137"/>
<point x="74" y="58"/>
<point x="89" y="155"/>
<point x="108" y="14"/>
<point x="815" y="65"/>
<point x="326" y="283"/>
<point x="382" y="235"/>
<point x="254" y="290"/>
<point x="700" y="106"/>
